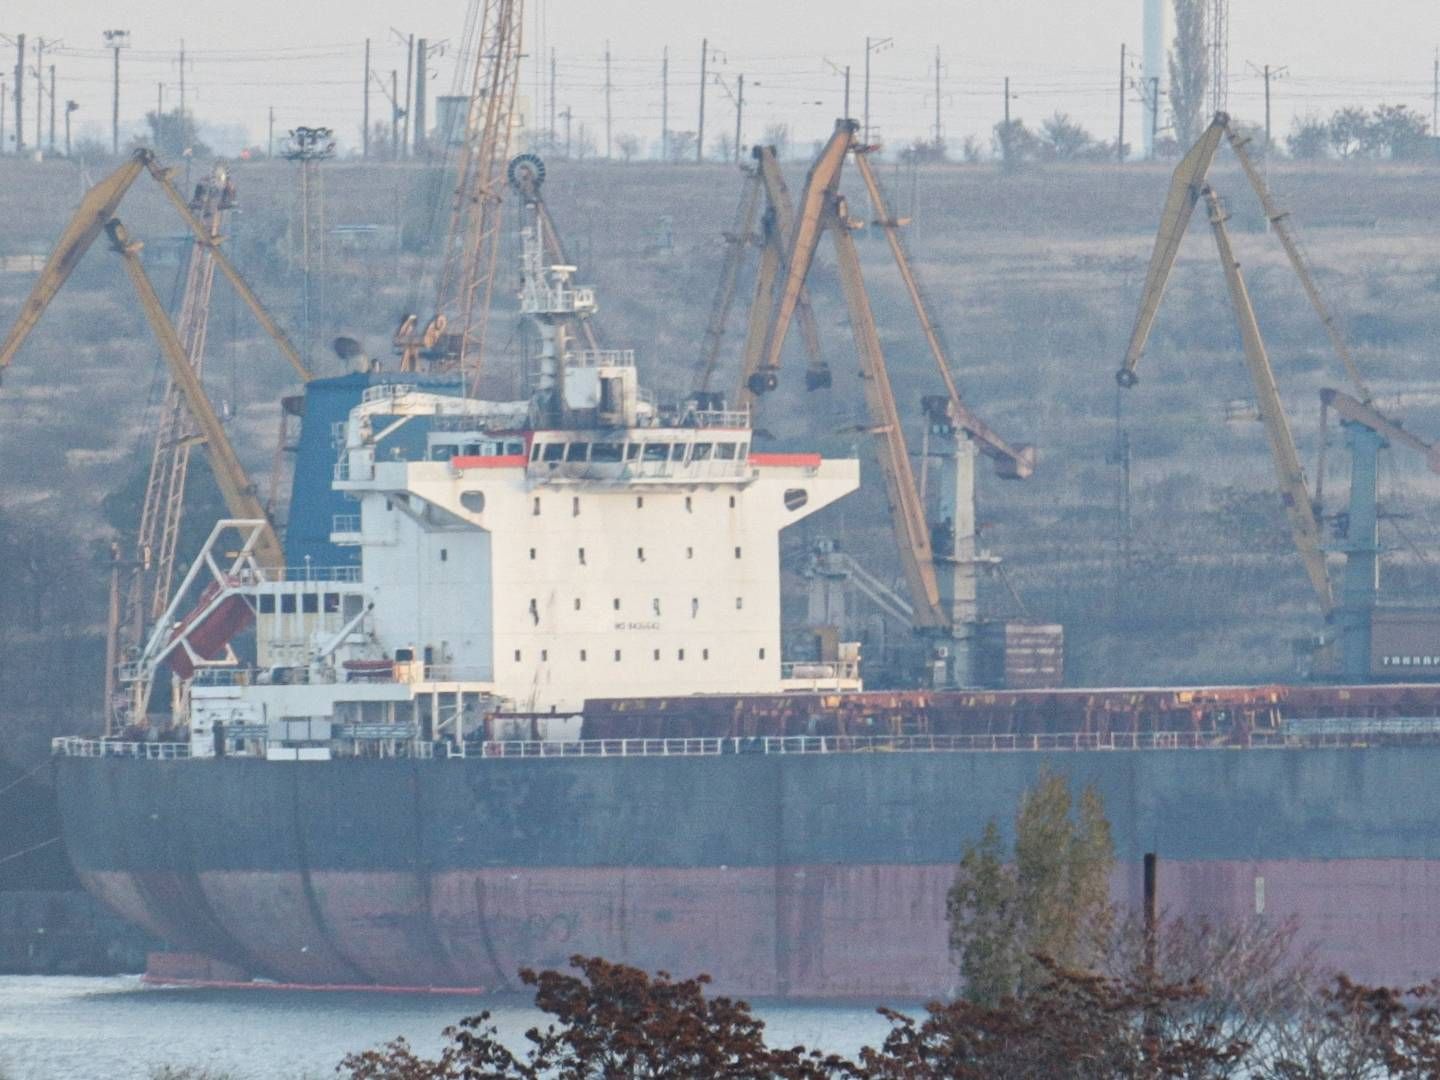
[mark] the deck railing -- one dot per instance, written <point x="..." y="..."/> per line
<point x="807" y="744"/>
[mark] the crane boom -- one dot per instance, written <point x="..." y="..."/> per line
<point x="472" y="244"/>
<point x="1280" y="221"/>
<point x="912" y="533"/>
<point x="736" y="241"/>
<point x="211" y="240"/>
<point x="1185" y="185"/>
<point x="1014" y="463"/>
<point x="778" y="225"/>
<point x="230" y="476"/>
<point x="1293" y="490"/>
<point x="821" y="187"/>
<point x="1362" y="413"/>
<point x="95" y="210"/>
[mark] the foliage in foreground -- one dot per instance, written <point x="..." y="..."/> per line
<point x="615" y="1021"/>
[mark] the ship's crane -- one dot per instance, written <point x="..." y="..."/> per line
<point x="940" y="608"/>
<point x="455" y="334"/>
<point x="1188" y="188"/>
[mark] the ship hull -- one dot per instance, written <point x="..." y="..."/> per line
<point x="806" y="876"/>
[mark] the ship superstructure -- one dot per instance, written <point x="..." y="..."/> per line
<point x="517" y="556"/>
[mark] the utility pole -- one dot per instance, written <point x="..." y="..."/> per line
<point x="872" y="45"/>
<point x="19" y="94"/>
<point x="1154" y="113"/>
<point x="39" y="90"/>
<point x="938" y="129"/>
<point x="182" y="86"/>
<point x="3" y="88"/>
<point x="1007" y="107"/>
<point x="365" y="123"/>
<point x="70" y="107"/>
<point x="52" y="108"/>
<point x="607" y="99"/>
<point x="700" y="137"/>
<point x="1120" y="139"/>
<point x="1435" y="96"/>
<point x="1267" y="73"/>
<point x="739" y="115"/>
<point x="270" y="145"/>
<point x="159" y="106"/>
<point x="566" y="116"/>
<point x="115" y="40"/>
<point x="553" y="133"/>
<point x="394" y="115"/>
<point x="409" y="84"/>
<point x="422" y="56"/>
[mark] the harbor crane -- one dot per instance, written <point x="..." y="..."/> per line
<point x="454" y="335"/>
<point x="938" y="559"/>
<point x="1188" y="188"/>
<point x="180" y="350"/>
<point x="1352" y="611"/>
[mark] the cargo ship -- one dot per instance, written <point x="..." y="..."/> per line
<point x="521" y="695"/>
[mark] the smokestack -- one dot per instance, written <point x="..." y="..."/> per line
<point x="1152" y="67"/>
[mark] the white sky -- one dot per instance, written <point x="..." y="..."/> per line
<point x="305" y="58"/>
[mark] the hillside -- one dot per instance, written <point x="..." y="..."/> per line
<point x="1035" y="278"/>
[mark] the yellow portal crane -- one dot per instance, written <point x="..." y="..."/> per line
<point x="1185" y="185"/>
<point x="1188" y="187"/>
<point x="95" y="211"/>
<point x="455" y="334"/>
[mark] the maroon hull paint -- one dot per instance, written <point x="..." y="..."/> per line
<point x="869" y="932"/>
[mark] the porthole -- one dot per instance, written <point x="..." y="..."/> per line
<point x="795" y="498"/>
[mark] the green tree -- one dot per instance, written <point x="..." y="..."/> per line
<point x="1015" y="144"/>
<point x="1397" y="133"/>
<point x="1308" y="139"/>
<point x="1189" y="73"/>
<point x="1049" y="903"/>
<point x="1349" y="129"/>
<point x="175" y="134"/>
<point x="1063" y="139"/>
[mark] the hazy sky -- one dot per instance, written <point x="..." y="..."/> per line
<point x="305" y="58"/>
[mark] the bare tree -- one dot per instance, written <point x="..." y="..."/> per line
<point x="628" y="145"/>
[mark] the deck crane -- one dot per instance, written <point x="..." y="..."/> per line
<point x="454" y="336"/>
<point x="1188" y="188"/>
<point x="943" y="608"/>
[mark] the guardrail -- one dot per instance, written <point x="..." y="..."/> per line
<point x="535" y="749"/>
<point x="73" y="746"/>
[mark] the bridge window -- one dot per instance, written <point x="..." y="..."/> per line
<point x="287" y="603"/>
<point x="655" y="452"/>
<point x="267" y="603"/>
<point x="700" y="452"/>
<point x="332" y="603"/>
<point x="554" y="451"/>
<point x="607" y="452"/>
<point x="310" y="603"/>
<point x="725" y="451"/>
<point x="535" y="452"/>
<point x="632" y="451"/>
<point x="577" y="451"/>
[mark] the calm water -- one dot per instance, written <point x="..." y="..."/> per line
<point x="82" y="1029"/>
